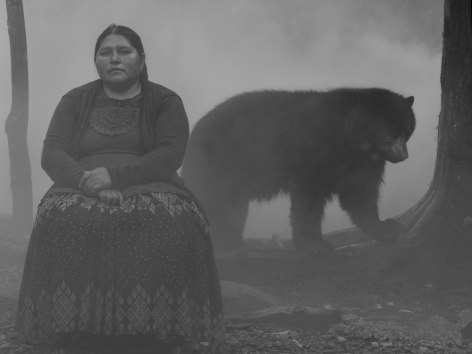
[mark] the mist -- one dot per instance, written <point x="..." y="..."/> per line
<point x="209" y="50"/>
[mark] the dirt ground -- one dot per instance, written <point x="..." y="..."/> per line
<point x="386" y="306"/>
<point x="382" y="306"/>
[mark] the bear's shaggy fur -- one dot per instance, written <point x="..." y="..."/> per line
<point x="307" y="144"/>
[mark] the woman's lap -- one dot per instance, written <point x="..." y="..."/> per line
<point x="144" y="268"/>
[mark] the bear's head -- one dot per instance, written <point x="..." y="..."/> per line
<point x="384" y="123"/>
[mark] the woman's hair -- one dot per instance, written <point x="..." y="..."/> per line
<point x="132" y="37"/>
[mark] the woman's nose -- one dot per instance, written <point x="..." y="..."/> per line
<point x="115" y="58"/>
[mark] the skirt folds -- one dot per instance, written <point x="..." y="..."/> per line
<point x="144" y="268"/>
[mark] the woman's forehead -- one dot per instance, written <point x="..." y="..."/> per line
<point x="115" y="40"/>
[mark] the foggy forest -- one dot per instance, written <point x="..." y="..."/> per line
<point x="208" y="51"/>
<point x="365" y="297"/>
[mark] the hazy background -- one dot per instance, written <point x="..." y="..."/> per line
<point x="208" y="50"/>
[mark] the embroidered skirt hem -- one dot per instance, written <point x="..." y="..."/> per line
<point x="144" y="268"/>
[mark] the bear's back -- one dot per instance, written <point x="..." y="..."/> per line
<point x="256" y="119"/>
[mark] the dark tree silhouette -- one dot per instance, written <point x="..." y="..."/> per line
<point x="177" y="38"/>
<point x="16" y="126"/>
<point x="443" y="216"/>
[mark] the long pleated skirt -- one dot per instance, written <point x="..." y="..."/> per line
<point x="144" y="268"/>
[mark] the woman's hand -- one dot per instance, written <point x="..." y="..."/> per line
<point x="110" y="196"/>
<point x="95" y="180"/>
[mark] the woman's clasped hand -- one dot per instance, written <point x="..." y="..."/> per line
<point x="97" y="182"/>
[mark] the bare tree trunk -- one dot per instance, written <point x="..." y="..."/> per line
<point x="443" y="215"/>
<point x="177" y="39"/>
<point x="16" y="125"/>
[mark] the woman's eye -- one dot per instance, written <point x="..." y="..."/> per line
<point x="106" y="53"/>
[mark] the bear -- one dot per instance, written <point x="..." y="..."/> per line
<point x="309" y="145"/>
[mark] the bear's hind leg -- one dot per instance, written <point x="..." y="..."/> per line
<point x="227" y="221"/>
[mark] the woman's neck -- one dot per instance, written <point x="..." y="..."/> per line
<point x="123" y="93"/>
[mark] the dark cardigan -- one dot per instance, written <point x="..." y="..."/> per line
<point x="163" y="127"/>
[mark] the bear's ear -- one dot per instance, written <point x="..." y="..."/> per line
<point x="409" y="101"/>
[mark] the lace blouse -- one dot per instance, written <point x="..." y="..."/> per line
<point x="113" y="128"/>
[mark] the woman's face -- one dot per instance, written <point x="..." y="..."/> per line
<point x="118" y="63"/>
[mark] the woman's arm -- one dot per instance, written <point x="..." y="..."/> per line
<point x="55" y="158"/>
<point x="171" y="135"/>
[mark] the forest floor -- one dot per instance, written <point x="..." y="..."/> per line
<point x="366" y="303"/>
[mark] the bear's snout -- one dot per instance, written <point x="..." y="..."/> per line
<point x="398" y="151"/>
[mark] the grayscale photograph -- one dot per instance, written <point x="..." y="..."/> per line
<point x="236" y="176"/>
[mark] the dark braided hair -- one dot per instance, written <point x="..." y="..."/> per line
<point x="132" y="37"/>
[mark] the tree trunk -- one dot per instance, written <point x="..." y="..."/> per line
<point x="443" y="216"/>
<point x="177" y="40"/>
<point x="16" y="125"/>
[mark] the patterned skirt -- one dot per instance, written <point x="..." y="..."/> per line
<point x="144" y="268"/>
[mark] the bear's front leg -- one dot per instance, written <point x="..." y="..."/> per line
<point x="306" y="214"/>
<point x="359" y="195"/>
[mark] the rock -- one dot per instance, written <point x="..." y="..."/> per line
<point x="349" y="317"/>
<point x="466" y="332"/>
<point x="298" y="344"/>
<point x="465" y="317"/>
<point x="386" y="343"/>
<point x="294" y="317"/>
<point x="242" y="298"/>
<point x="232" y="341"/>
<point x="437" y="325"/>
<point x="287" y="333"/>
<point x="233" y="289"/>
<point x="5" y="345"/>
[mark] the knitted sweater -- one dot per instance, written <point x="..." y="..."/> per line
<point x="163" y="128"/>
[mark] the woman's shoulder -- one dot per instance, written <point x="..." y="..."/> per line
<point x="86" y="88"/>
<point x="158" y="90"/>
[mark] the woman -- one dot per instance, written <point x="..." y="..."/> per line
<point x="120" y="252"/>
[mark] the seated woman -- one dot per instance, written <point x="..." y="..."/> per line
<point x="120" y="251"/>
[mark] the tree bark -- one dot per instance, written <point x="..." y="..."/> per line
<point x="442" y="216"/>
<point x="16" y="125"/>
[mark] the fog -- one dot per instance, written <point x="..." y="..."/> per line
<point x="208" y="50"/>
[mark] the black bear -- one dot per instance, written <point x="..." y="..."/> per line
<point x="310" y="145"/>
